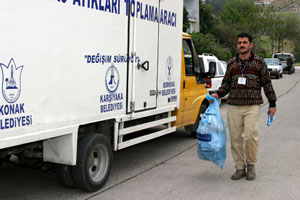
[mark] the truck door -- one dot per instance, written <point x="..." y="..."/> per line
<point x="193" y="87"/>
<point x="143" y="54"/>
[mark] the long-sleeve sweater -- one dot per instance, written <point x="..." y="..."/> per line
<point x="256" y="72"/>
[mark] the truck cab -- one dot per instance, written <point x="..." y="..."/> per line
<point x="192" y="88"/>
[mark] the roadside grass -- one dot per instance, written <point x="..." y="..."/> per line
<point x="297" y="64"/>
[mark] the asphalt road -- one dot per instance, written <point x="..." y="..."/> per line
<point x="168" y="168"/>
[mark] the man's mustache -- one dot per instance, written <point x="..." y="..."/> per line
<point x="242" y="48"/>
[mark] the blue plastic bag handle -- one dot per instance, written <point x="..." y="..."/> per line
<point x="215" y="101"/>
<point x="209" y="97"/>
<point x="214" y="105"/>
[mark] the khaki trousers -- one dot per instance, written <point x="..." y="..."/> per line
<point x="243" y="126"/>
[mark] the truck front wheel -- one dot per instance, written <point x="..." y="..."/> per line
<point x="192" y="128"/>
<point x="94" y="158"/>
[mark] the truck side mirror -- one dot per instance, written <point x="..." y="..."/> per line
<point x="212" y="69"/>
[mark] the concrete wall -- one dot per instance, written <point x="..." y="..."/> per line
<point x="192" y="7"/>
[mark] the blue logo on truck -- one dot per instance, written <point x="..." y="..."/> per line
<point x="12" y="115"/>
<point x="112" y="101"/>
<point x="169" y="67"/>
<point x="169" y="86"/>
<point x="112" y="79"/>
<point x="11" y="81"/>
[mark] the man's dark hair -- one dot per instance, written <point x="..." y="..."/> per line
<point x="241" y="35"/>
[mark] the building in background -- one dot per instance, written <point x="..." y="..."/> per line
<point x="192" y="7"/>
<point x="263" y="3"/>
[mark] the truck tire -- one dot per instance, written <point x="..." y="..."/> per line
<point x="94" y="160"/>
<point x="64" y="175"/>
<point x="193" y="128"/>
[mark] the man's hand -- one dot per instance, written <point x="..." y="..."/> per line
<point x="215" y="95"/>
<point x="272" y="111"/>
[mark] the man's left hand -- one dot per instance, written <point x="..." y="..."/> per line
<point x="272" y="111"/>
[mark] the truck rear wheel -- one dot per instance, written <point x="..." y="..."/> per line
<point x="193" y="128"/>
<point x="64" y="175"/>
<point x="94" y="158"/>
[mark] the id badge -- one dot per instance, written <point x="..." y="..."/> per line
<point x="242" y="81"/>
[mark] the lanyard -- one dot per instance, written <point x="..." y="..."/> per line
<point x="242" y="67"/>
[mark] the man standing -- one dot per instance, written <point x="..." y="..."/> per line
<point x="290" y="63"/>
<point x="245" y="75"/>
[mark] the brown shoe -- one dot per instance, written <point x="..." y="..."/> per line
<point x="239" y="173"/>
<point x="250" y="172"/>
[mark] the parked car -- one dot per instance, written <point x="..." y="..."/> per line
<point x="216" y="82"/>
<point x="275" y="67"/>
<point x="287" y="60"/>
<point x="224" y="63"/>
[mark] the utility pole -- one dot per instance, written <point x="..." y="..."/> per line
<point x="274" y="8"/>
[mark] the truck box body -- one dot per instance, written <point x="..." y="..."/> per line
<point x="81" y="78"/>
<point x="68" y="63"/>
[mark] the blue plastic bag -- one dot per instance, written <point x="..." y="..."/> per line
<point x="211" y="135"/>
<point x="269" y="119"/>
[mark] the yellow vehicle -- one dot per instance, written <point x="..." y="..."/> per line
<point x="193" y="87"/>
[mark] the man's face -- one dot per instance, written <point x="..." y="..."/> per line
<point x="244" y="46"/>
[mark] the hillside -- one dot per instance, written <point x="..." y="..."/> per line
<point x="288" y="5"/>
<point x="284" y="5"/>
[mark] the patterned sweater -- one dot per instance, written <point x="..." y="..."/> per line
<point x="257" y="76"/>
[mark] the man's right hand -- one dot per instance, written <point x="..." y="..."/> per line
<point x="215" y="95"/>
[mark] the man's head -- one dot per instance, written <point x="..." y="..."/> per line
<point x="244" y="43"/>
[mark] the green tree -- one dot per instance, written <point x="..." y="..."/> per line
<point x="243" y="14"/>
<point x="227" y="35"/>
<point x="206" y="17"/>
<point x="207" y="44"/>
<point x="239" y="16"/>
<point x="216" y="4"/>
<point x="275" y="24"/>
<point x="297" y="52"/>
<point x="286" y="26"/>
<point x="185" y="20"/>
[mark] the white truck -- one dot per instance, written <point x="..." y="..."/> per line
<point x="214" y="83"/>
<point x="287" y="60"/>
<point x="80" y="76"/>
